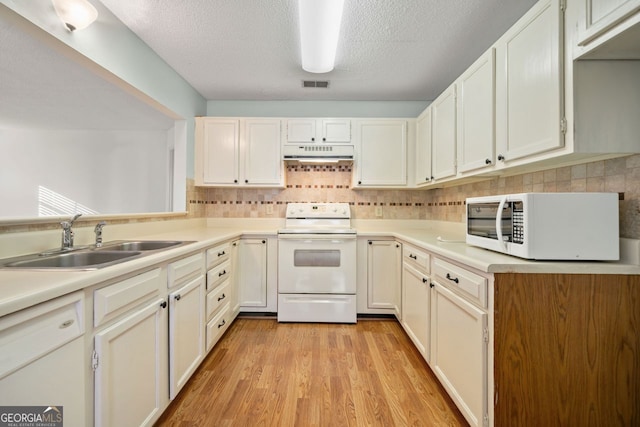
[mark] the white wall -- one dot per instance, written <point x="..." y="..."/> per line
<point x="107" y="171"/>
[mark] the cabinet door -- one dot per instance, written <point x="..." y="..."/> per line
<point x="252" y="272"/>
<point x="261" y="152"/>
<point x="186" y="333"/>
<point x="220" y="150"/>
<point x="444" y="134"/>
<point x="475" y="118"/>
<point x="459" y="352"/>
<point x="382" y="153"/>
<point x="235" y="292"/>
<point x="301" y="130"/>
<point x="599" y="16"/>
<point x="131" y="376"/>
<point x="423" y="148"/>
<point x="416" y="308"/>
<point x="383" y="275"/>
<point x="336" y="130"/>
<point x="529" y="92"/>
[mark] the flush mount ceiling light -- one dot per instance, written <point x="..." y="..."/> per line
<point x="75" y="14"/>
<point x="319" y="30"/>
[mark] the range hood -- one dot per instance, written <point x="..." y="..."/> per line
<point x="318" y="153"/>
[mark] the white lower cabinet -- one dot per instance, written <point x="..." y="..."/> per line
<point x="131" y="371"/>
<point x="416" y="302"/>
<point x="459" y="341"/>
<point x="384" y="258"/>
<point x="252" y="277"/>
<point x="235" y="295"/>
<point x="186" y="333"/>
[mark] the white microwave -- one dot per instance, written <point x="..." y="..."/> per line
<point x="546" y="226"/>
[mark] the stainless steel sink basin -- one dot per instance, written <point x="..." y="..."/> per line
<point x="90" y="257"/>
<point x="140" y="245"/>
<point x="75" y="260"/>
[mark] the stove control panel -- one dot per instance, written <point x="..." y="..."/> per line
<point x="318" y="210"/>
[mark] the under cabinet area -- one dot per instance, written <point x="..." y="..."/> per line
<point x="384" y="258"/>
<point x="416" y="298"/>
<point x="459" y="341"/>
<point x="43" y="357"/>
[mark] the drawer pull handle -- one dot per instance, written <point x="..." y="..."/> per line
<point x="66" y="324"/>
<point x="220" y="298"/>
<point x="453" y="279"/>
<point x="177" y="297"/>
<point x="412" y="256"/>
<point x="220" y="325"/>
<point x="222" y="253"/>
<point x="222" y="273"/>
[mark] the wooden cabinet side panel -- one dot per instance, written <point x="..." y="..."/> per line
<point x="567" y="350"/>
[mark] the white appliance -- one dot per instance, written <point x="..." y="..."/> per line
<point x="317" y="264"/>
<point x="546" y="226"/>
<point x="318" y="153"/>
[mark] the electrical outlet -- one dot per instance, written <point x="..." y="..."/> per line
<point x="269" y="209"/>
<point x="378" y="210"/>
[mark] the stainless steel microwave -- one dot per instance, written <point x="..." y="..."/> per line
<point x="546" y="226"/>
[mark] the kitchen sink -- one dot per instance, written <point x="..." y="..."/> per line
<point x="75" y="260"/>
<point x="90" y="257"/>
<point x="140" y="245"/>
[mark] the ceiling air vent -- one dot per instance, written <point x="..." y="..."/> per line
<point x="324" y="84"/>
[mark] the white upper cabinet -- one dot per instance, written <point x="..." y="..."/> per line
<point x="381" y="153"/>
<point x="318" y="131"/>
<point x="529" y="84"/>
<point x="443" y="121"/>
<point x="476" y="114"/>
<point x="598" y="17"/>
<point x="423" y="148"/>
<point x="217" y="151"/>
<point x="261" y="152"/>
<point x="238" y="152"/>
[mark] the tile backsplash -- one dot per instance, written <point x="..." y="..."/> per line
<point x="330" y="183"/>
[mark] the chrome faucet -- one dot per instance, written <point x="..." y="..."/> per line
<point x="98" y="231"/>
<point x="67" y="232"/>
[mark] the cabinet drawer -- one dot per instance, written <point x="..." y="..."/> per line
<point x="181" y="271"/>
<point x="218" y="297"/>
<point x="416" y="257"/>
<point x="469" y="284"/>
<point x="217" y="326"/>
<point x="218" y="275"/>
<point x="34" y="332"/>
<point x="111" y="301"/>
<point x="218" y="254"/>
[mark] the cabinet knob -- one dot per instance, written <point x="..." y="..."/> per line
<point x="397" y="245"/>
<point x="264" y="241"/>
<point x="425" y="280"/>
<point x="432" y="178"/>
<point x="431" y="285"/>
<point x="370" y="242"/>
<point x="359" y="182"/>
<point x="163" y="304"/>
<point x="487" y="161"/>
<point x="177" y="297"/>
<point x="324" y="139"/>
<point x="500" y="157"/>
<point x="246" y="181"/>
<point x="427" y="179"/>
<point x="235" y="181"/>
<point x="313" y="139"/>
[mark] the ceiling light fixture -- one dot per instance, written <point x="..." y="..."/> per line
<point x="319" y="31"/>
<point x="75" y="14"/>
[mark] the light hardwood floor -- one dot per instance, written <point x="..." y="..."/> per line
<point x="264" y="373"/>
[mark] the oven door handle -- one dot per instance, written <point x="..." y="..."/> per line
<point x="336" y="237"/>
<point x="501" y="242"/>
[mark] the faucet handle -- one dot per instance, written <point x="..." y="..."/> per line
<point x="98" y="231"/>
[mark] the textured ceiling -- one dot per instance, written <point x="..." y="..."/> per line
<point x="388" y="49"/>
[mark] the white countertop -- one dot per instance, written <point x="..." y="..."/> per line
<point x="22" y="288"/>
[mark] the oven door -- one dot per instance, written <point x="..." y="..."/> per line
<point x="317" y="263"/>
